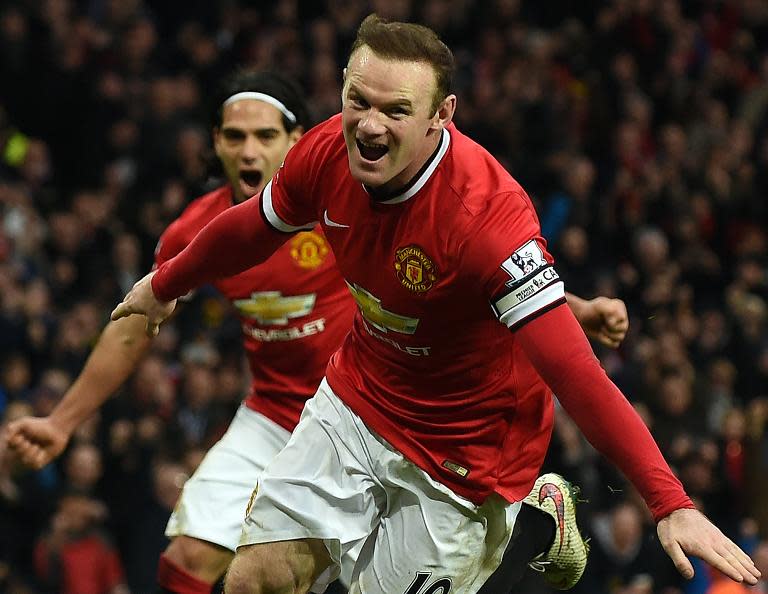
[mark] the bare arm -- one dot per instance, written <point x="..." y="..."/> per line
<point x="38" y="440"/>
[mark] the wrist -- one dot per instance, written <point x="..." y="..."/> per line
<point x="63" y="422"/>
<point x="577" y="304"/>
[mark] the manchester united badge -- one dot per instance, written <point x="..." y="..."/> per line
<point x="309" y="249"/>
<point x="414" y="269"/>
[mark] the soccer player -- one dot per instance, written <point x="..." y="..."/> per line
<point x="295" y="310"/>
<point x="434" y="416"/>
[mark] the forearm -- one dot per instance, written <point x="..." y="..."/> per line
<point x="558" y="349"/>
<point x="577" y="305"/>
<point x="115" y="356"/>
<point x="234" y="241"/>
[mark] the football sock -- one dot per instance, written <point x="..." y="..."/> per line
<point x="533" y="534"/>
<point x="173" y="579"/>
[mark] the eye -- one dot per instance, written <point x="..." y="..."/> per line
<point x="397" y="112"/>
<point x="267" y="136"/>
<point x="233" y="135"/>
<point x="358" y="102"/>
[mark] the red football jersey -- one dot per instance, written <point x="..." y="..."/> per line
<point x="433" y="270"/>
<point x="295" y="310"/>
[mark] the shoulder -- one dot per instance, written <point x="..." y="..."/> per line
<point x="203" y="209"/>
<point x="322" y="140"/>
<point x="484" y="190"/>
<point x="318" y="157"/>
<point x="493" y="211"/>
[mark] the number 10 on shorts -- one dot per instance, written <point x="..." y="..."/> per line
<point x="441" y="586"/>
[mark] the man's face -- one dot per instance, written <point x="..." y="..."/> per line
<point x="251" y="143"/>
<point x="389" y="126"/>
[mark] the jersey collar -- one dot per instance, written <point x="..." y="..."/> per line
<point x="421" y="178"/>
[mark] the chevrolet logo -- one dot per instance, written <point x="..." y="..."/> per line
<point x="379" y="317"/>
<point x="270" y="307"/>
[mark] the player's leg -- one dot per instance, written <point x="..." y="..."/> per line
<point x="191" y="566"/>
<point x="431" y="541"/>
<point x="533" y="535"/>
<point x="278" y="567"/>
<point x="546" y="536"/>
<point x="206" y="524"/>
<point x="315" y="501"/>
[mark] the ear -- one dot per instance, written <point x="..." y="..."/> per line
<point x="294" y="135"/>
<point x="444" y="114"/>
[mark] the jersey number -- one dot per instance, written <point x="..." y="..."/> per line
<point x="441" y="586"/>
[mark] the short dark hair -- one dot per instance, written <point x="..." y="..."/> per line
<point x="411" y="42"/>
<point x="273" y="84"/>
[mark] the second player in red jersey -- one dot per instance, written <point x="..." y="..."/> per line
<point x="296" y="297"/>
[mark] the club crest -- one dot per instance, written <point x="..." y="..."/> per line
<point x="414" y="269"/>
<point x="309" y="249"/>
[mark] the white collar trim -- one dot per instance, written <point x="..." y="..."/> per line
<point x="445" y="142"/>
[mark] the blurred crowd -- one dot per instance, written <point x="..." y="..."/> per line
<point x="639" y="128"/>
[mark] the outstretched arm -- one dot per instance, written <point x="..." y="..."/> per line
<point x="234" y="241"/>
<point x="558" y="350"/>
<point x="602" y="318"/>
<point x="38" y="440"/>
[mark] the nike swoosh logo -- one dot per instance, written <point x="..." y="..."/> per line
<point x="331" y="223"/>
<point x="548" y="490"/>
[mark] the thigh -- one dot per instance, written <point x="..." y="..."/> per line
<point x="213" y="501"/>
<point x="433" y="542"/>
<point x="321" y="486"/>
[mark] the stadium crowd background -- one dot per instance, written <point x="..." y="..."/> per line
<point x="640" y="129"/>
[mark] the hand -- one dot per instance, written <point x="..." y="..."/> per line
<point x="689" y="532"/>
<point x="36" y="441"/>
<point x="606" y="320"/>
<point x="141" y="300"/>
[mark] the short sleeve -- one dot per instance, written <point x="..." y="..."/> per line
<point x="510" y="258"/>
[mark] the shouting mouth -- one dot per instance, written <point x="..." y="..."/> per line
<point x="250" y="181"/>
<point x="371" y="151"/>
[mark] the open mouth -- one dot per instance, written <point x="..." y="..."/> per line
<point x="251" y="178"/>
<point x="370" y="151"/>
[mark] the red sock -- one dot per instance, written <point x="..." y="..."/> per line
<point x="175" y="579"/>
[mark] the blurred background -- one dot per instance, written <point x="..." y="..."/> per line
<point x="639" y="128"/>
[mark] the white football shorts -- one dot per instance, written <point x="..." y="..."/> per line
<point x="339" y="482"/>
<point x="212" y="504"/>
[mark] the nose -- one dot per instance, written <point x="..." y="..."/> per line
<point x="371" y="123"/>
<point x="251" y="149"/>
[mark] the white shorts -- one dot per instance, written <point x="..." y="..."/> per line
<point x="213" y="501"/>
<point x="339" y="482"/>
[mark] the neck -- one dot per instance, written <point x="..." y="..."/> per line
<point x="401" y="182"/>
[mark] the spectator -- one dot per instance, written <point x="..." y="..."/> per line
<point x="74" y="557"/>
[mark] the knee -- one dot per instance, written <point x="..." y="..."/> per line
<point x="256" y="570"/>
<point x="200" y="558"/>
